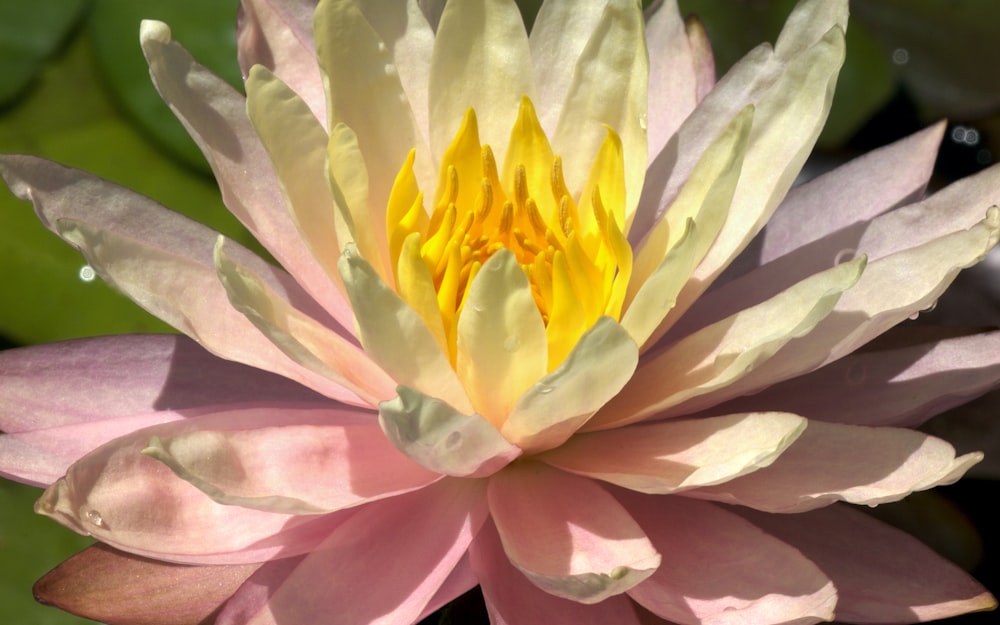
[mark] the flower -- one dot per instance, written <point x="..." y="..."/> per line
<point x="554" y="376"/>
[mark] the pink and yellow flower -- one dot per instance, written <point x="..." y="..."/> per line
<point x="502" y="347"/>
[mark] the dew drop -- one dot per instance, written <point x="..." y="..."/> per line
<point x="844" y="255"/>
<point x="94" y="517"/>
<point x="914" y="316"/>
<point x="930" y="308"/>
<point x="381" y="46"/>
<point x="389" y="69"/>
<point x="643" y="121"/>
<point x="545" y="389"/>
<point x="511" y="343"/>
<point x="87" y="273"/>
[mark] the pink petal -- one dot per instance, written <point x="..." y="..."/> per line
<point x="718" y="569"/>
<point x="673" y="75"/>
<point x="848" y="196"/>
<point x="86" y="380"/>
<point x="898" y="386"/>
<point x="512" y="600"/>
<point x="567" y="534"/>
<point x="119" y="589"/>
<point x="161" y="260"/>
<point x="241" y="166"/>
<point x="831" y="462"/>
<point x="443" y="440"/>
<point x="309" y="468"/>
<point x="136" y="504"/>
<point x="385" y="564"/>
<point x="461" y="580"/>
<point x="278" y="35"/>
<point x="882" y="574"/>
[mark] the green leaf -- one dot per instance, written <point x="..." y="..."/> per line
<point x="30" y="32"/>
<point x="207" y="28"/>
<point x="30" y="546"/>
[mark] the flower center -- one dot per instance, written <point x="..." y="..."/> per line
<point x="573" y="251"/>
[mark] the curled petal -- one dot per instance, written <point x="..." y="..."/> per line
<point x="567" y="534"/>
<point x="512" y="600"/>
<point x="677" y="455"/>
<point x="832" y="462"/>
<point x="443" y="440"/>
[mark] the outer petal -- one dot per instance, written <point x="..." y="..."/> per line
<point x="831" y="462"/>
<point x="303" y="469"/>
<point x="103" y="584"/>
<point x="436" y="436"/>
<point x="278" y="35"/>
<point x="864" y="188"/>
<point x="721" y="570"/>
<point x="900" y="386"/>
<point x="673" y="74"/>
<point x="882" y="574"/>
<point x="676" y="455"/>
<point x="481" y="60"/>
<point x="372" y="569"/>
<point x="160" y="260"/>
<point x="241" y="166"/>
<point x="512" y="600"/>
<point x="567" y="534"/>
<point x="891" y="289"/>
<point x="134" y="503"/>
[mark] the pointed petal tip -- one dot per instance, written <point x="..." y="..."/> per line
<point x="153" y="30"/>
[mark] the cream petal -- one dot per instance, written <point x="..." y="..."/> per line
<point x="502" y="348"/>
<point x="512" y="600"/>
<point x="443" y="440"/>
<point x="389" y="560"/>
<point x="297" y="469"/>
<point x="299" y="336"/>
<point x="403" y="28"/>
<point x="481" y="60"/>
<point x="614" y="61"/>
<point x="297" y="145"/>
<point x="832" y="462"/>
<point x="395" y="336"/>
<point x="214" y="114"/>
<point x="722" y="570"/>
<point x="278" y="35"/>
<point x="882" y="574"/>
<point x="556" y="406"/>
<point x="567" y="534"/>
<point x="561" y="31"/>
<point x="364" y="91"/>
<point x="719" y="356"/>
<point x="891" y="289"/>
<point x="676" y="455"/>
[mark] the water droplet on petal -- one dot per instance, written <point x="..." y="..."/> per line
<point x="87" y="273"/>
<point x="381" y="46"/>
<point x="511" y="343"/>
<point x="930" y="308"/>
<point x="914" y="316"/>
<point x="643" y="121"/>
<point x="545" y="389"/>
<point x="844" y="255"/>
<point x="93" y="517"/>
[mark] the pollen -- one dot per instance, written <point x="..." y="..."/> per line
<point x="572" y="249"/>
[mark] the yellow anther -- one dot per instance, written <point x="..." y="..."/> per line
<point x="537" y="223"/>
<point x="520" y="187"/>
<point x="506" y="218"/>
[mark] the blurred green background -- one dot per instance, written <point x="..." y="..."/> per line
<point x="74" y="88"/>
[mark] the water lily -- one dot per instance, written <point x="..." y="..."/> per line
<point x="517" y="338"/>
